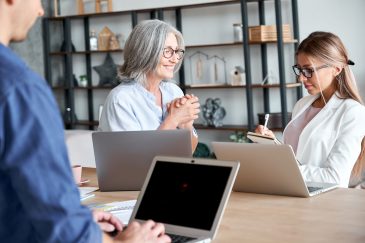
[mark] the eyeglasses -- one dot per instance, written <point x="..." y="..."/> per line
<point x="307" y="72"/>
<point x="168" y="52"/>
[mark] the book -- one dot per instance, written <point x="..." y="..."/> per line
<point x="85" y="192"/>
<point x="263" y="139"/>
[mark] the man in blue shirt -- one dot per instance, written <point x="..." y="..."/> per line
<point x="39" y="201"/>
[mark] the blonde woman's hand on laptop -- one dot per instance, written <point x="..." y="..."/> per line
<point x="260" y="129"/>
<point x="148" y="232"/>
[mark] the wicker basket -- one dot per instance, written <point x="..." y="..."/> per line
<point x="263" y="33"/>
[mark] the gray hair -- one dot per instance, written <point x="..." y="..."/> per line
<point x="143" y="50"/>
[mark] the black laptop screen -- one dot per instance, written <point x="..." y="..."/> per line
<point x="182" y="194"/>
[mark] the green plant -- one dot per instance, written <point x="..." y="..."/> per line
<point x="238" y="137"/>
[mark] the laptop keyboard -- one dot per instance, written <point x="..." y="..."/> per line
<point x="179" y="238"/>
<point x="313" y="188"/>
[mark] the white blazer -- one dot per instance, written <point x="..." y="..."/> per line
<point x="330" y="143"/>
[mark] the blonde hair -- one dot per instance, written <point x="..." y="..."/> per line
<point x="329" y="49"/>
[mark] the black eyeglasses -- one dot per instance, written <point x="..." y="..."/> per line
<point x="168" y="52"/>
<point x="307" y="72"/>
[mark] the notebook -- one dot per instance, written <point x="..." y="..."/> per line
<point x="187" y="195"/>
<point x="263" y="139"/>
<point x="268" y="169"/>
<point x="123" y="158"/>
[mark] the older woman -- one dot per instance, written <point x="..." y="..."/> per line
<point x="146" y="100"/>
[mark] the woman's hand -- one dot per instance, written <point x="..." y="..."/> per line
<point x="184" y="110"/>
<point x="260" y="129"/>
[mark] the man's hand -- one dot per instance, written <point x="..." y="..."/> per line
<point x="148" y="232"/>
<point x="107" y="221"/>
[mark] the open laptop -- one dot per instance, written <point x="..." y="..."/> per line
<point x="123" y="158"/>
<point x="187" y="195"/>
<point x="268" y="169"/>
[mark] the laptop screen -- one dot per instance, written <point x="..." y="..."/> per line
<point x="184" y="194"/>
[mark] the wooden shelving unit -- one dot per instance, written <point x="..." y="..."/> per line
<point x="69" y="88"/>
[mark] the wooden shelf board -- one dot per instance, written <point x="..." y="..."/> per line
<point x="225" y="86"/>
<point x="236" y="44"/>
<point x="223" y="128"/>
<point x="62" y="53"/>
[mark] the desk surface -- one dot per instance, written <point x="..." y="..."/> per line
<point x="336" y="216"/>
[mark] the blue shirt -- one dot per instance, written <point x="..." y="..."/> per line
<point x="39" y="201"/>
<point x="130" y="107"/>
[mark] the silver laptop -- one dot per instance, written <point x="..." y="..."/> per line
<point x="187" y="195"/>
<point x="268" y="169"/>
<point x="123" y="158"/>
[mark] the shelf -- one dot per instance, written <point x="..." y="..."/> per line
<point x="222" y="128"/>
<point x="62" y="53"/>
<point x="228" y="86"/>
<point x="86" y="123"/>
<point x="143" y="10"/>
<point x="83" y="88"/>
<point x="237" y="44"/>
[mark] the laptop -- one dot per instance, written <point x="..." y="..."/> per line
<point x="123" y="158"/>
<point x="268" y="169"/>
<point x="187" y="195"/>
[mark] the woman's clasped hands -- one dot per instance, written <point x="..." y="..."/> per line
<point x="184" y="110"/>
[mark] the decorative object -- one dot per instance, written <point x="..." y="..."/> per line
<point x="104" y="39"/>
<point x="121" y="40"/>
<point x="99" y="6"/>
<point x="238" y="137"/>
<point x="63" y="47"/>
<point x="69" y="115"/>
<point x="202" y="151"/>
<point x="74" y="80"/>
<point x="93" y="41"/>
<point x="107" y="72"/>
<point x="100" y="3"/>
<point x="217" y="70"/>
<point x="270" y="78"/>
<point x="113" y="43"/>
<point x="213" y="113"/>
<point x="264" y="33"/>
<point x="238" y="76"/>
<point x="237" y="32"/>
<point x="198" y="67"/>
<point x="56" y="6"/>
<point x="83" y="80"/>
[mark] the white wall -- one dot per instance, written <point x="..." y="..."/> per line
<point x="344" y="18"/>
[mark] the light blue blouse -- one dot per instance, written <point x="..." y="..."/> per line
<point x="130" y="107"/>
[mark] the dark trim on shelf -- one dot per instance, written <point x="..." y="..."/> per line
<point x="264" y="66"/>
<point x="281" y="60"/>
<point x="47" y="48"/>
<point x="296" y="36"/>
<point x="247" y="58"/>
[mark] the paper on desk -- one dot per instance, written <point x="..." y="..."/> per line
<point x="85" y="192"/>
<point x="87" y="189"/>
<point x="121" y="209"/>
